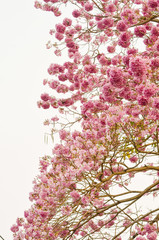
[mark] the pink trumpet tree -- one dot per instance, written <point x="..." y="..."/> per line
<point x="105" y="167"/>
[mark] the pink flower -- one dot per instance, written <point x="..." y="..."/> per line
<point x="111" y="49"/>
<point x="152" y="236"/>
<point x="66" y="210"/>
<point x="116" y="78"/>
<point x="45" y="97"/>
<point x="62" y="77"/>
<point x="142" y="101"/>
<point x="67" y="22"/>
<point x="156" y="102"/>
<point x="152" y="3"/>
<point x="45" y="105"/>
<point x="83" y="233"/>
<point x="133" y="159"/>
<point x="155" y="31"/>
<point x="88" y="6"/>
<point x="60" y="28"/>
<point x="62" y="88"/>
<point x="121" y="26"/>
<point x="105" y="23"/>
<point x="19" y="221"/>
<point x="132" y="51"/>
<point x="55" y="119"/>
<point x="124" y="39"/>
<point x="85" y="200"/>
<point x="149" y="91"/>
<point x="155" y="62"/>
<point x="37" y="5"/>
<point x="76" y="13"/>
<point x="54" y="84"/>
<point x="140" y="238"/>
<point x="138" y="67"/>
<point x="157" y="46"/>
<point x="111" y="8"/>
<point x="59" y="36"/>
<point x="107" y="90"/>
<point x="43" y="214"/>
<point x="90" y="68"/>
<point x="140" y="31"/>
<point x="129" y="16"/>
<point x="75" y="195"/>
<point x="103" y="60"/>
<point x="14" y="228"/>
<point x="63" y="134"/>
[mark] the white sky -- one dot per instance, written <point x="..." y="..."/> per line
<point x="24" y="60"/>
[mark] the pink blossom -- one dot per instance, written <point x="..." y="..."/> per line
<point x="75" y="195"/>
<point x="156" y="102"/>
<point x="132" y="51"/>
<point x="105" y="23"/>
<point x="45" y="97"/>
<point x="140" y="31"/>
<point x="43" y="214"/>
<point x="138" y="67"/>
<point x="107" y="90"/>
<point x="14" y="228"/>
<point x="59" y="36"/>
<point x="140" y="238"/>
<point x="54" y="84"/>
<point x="133" y="159"/>
<point x="19" y="221"/>
<point x="85" y="200"/>
<point x="121" y="26"/>
<point x="66" y="210"/>
<point x="90" y="68"/>
<point x="37" y="5"/>
<point x="103" y="60"/>
<point x="62" y="88"/>
<point x="111" y="8"/>
<point x="155" y="31"/>
<point x="45" y="105"/>
<point x="60" y="28"/>
<point x="152" y="3"/>
<point x="142" y="101"/>
<point x="55" y="68"/>
<point x="152" y="236"/>
<point x="88" y="6"/>
<point x="116" y="78"/>
<point x="157" y="45"/>
<point x="155" y="62"/>
<point x="124" y="39"/>
<point x="63" y="134"/>
<point x="111" y="49"/>
<point x="55" y="119"/>
<point x="83" y="233"/>
<point x="62" y="77"/>
<point x="76" y="13"/>
<point x="129" y="16"/>
<point x="78" y="27"/>
<point x="67" y="22"/>
<point x="149" y="91"/>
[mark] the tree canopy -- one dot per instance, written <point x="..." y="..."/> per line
<point x="105" y="104"/>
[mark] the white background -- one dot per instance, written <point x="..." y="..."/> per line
<point x="24" y="60"/>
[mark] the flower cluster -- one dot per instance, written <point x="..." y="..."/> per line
<point x="109" y="86"/>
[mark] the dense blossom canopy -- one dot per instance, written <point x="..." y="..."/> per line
<point x="108" y="89"/>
